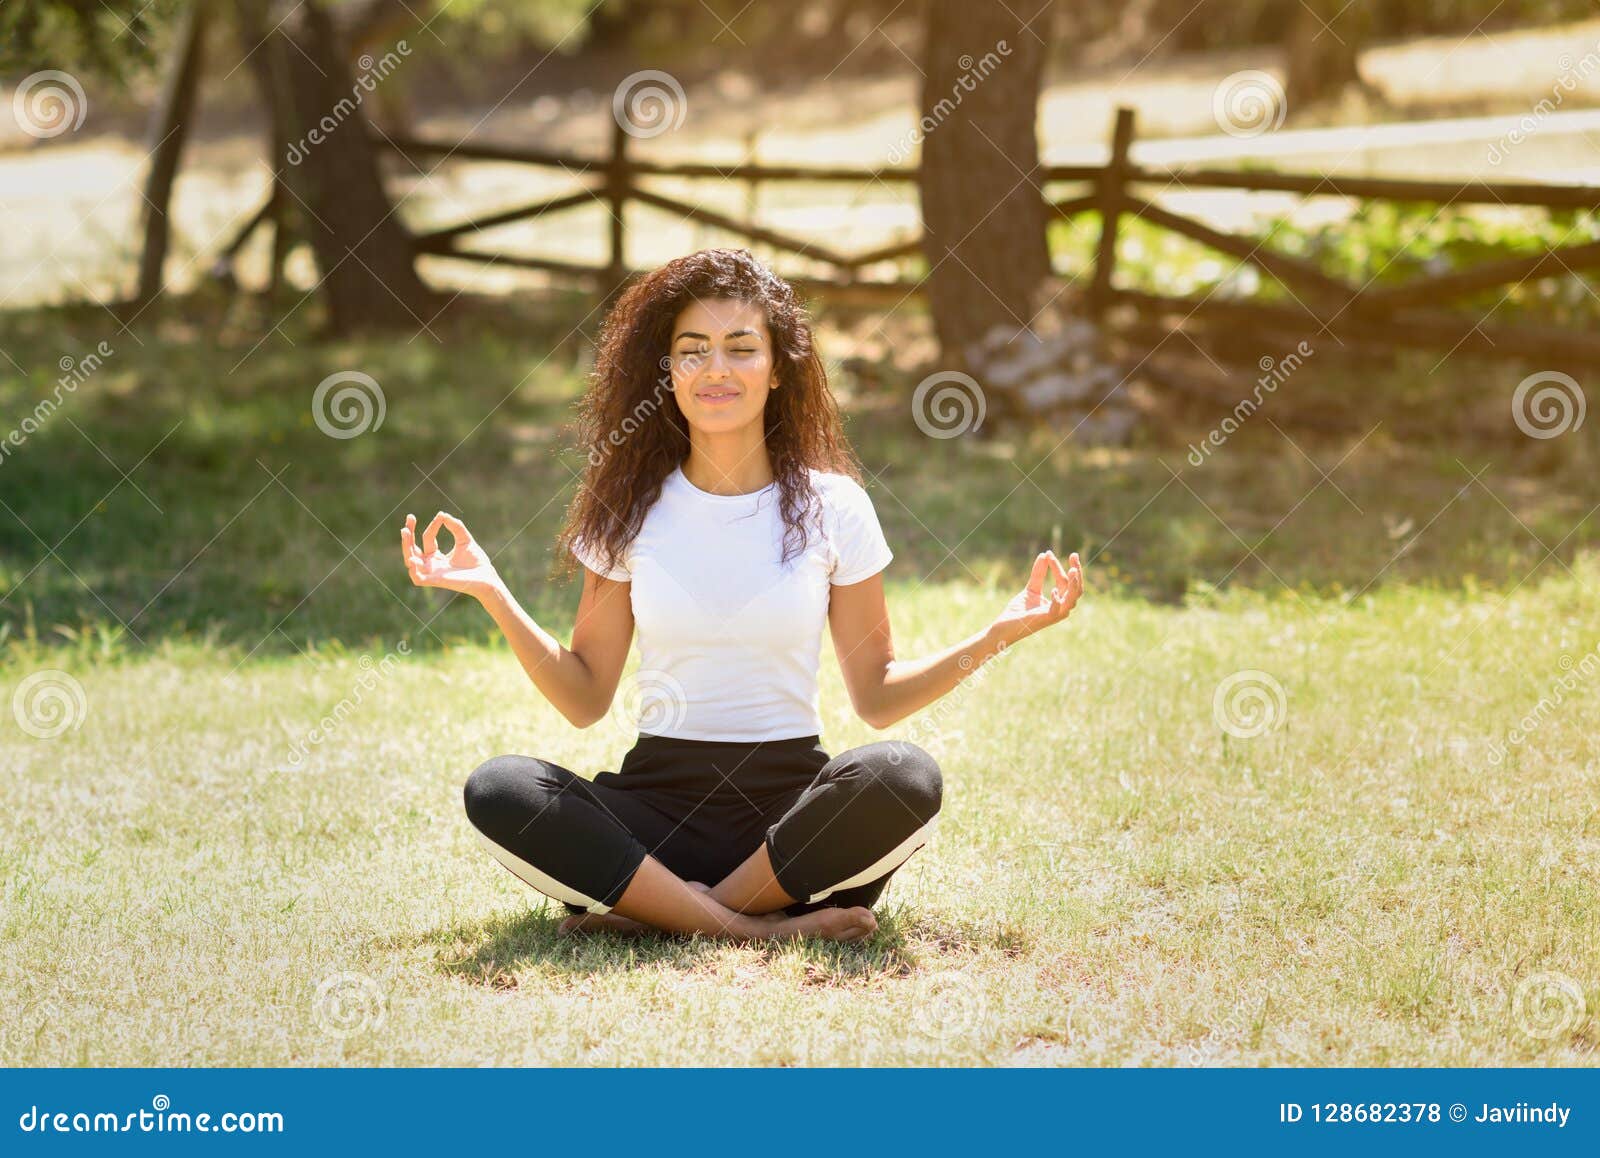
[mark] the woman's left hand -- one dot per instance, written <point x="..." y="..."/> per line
<point x="1032" y="610"/>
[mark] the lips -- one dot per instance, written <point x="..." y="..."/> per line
<point x="717" y="397"/>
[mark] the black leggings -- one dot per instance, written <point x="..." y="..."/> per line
<point x="836" y="829"/>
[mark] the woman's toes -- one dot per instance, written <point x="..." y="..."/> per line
<point x="849" y="924"/>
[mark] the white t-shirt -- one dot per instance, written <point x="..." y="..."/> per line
<point x="729" y="640"/>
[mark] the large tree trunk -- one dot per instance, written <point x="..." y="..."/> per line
<point x="371" y="28"/>
<point x="1322" y="49"/>
<point x="365" y="256"/>
<point x="983" y="214"/>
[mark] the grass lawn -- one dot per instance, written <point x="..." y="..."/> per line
<point x="1123" y="872"/>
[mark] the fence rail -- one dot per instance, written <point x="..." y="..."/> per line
<point x="1390" y="313"/>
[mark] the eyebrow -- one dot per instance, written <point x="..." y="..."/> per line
<point x="707" y="337"/>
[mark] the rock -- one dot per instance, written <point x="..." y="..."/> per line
<point x="1060" y="373"/>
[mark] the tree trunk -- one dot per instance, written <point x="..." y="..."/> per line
<point x="982" y="211"/>
<point x="370" y="28"/>
<point x="1322" y="50"/>
<point x="329" y="169"/>
<point x="169" y="128"/>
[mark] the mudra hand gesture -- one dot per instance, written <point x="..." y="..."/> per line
<point x="1031" y="610"/>
<point x="464" y="568"/>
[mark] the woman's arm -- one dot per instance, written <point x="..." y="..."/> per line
<point x="579" y="681"/>
<point x="884" y="690"/>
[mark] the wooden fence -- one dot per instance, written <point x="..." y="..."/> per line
<point x="1407" y="314"/>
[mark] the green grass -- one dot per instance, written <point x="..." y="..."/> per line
<point x="1116" y="879"/>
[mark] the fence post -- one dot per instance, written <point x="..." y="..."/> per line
<point x="752" y="187"/>
<point x="617" y="199"/>
<point x="1110" y="194"/>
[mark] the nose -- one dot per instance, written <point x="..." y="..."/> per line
<point x="715" y="367"/>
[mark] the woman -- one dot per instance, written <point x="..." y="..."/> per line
<point x="722" y="514"/>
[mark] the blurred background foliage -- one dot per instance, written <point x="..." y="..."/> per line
<point x="119" y="37"/>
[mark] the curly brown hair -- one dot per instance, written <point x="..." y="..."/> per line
<point x="635" y="440"/>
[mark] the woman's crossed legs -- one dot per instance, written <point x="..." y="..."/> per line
<point x="809" y="862"/>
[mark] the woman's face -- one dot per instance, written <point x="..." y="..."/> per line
<point x="722" y="363"/>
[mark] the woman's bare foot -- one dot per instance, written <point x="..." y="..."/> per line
<point x="824" y="924"/>
<point x="601" y="923"/>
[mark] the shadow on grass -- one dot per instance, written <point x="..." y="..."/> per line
<point x="496" y="952"/>
<point x="184" y="488"/>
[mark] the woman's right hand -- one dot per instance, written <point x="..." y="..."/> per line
<point x="466" y="568"/>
